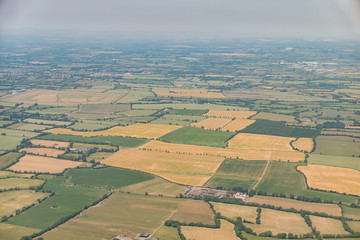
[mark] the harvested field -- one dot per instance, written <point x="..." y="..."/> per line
<point x="49" y="152"/>
<point x="226" y="231"/>
<point x="355" y="226"/>
<point x="49" y="143"/>
<point x="138" y="130"/>
<point x="179" y="168"/>
<point x="328" y="225"/>
<point x="304" y="144"/>
<point x="342" y="180"/>
<point x="274" y="117"/>
<point x="50" y="122"/>
<point x="11" y="232"/>
<point x="351" y="212"/>
<point x="237" y="125"/>
<point x="280" y="222"/>
<point x="233" y="211"/>
<point x="188" y="93"/>
<point x="23" y="183"/>
<point x="211" y="123"/>
<point x="331" y="209"/>
<point x="260" y="141"/>
<point x="230" y="114"/>
<point x="13" y="200"/>
<point x="32" y="163"/>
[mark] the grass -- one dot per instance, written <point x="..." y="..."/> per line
<point x="337" y="148"/>
<point x="351" y="212"/>
<point x="29" y="127"/>
<point x="233" y="211"/>
<point x="173" y="119"/>
<point x="106" y="177"/>
<point x="89" y="145"/>
<point x="50" y="122"/>
<point x="355" y="226"/>
<point x="115" y="141"/>
<point x="328" y="225"/>
<point x="8" y="158"/>
<point x="168" y="233"/>
<point x="336" y="161"/>
<point x="91" y="125"/>
<point x="24" y="183"/>
<point x="190" y="112"/>
<point x="197" y="136"/>
<point x="11" y="232"/>
<point x="237" y="173"/>
<point x="226" y="231"/>
<point x="274" y="117"/>
<point x="205" y="106"/>
<point x="99" y="156"/>
<point x="67" y="200"/>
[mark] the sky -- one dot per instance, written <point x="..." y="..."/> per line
<point x="181" y="19"/>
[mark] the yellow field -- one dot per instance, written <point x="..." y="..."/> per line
<point x="328" y="225"/>
<point x="233" y="211"/>
<point x="179" y="168"/>
<point x="260" y="141"/>
<point x="237" y="125"/>
<point x="138" y="130"/>
<point x="332" y="178"/>
<point x="32" y="163"/>
<point x="304" y="144"/>
<point x="49" y="152"/>
<point x="355" y="226"/>
<point x="246" y="154"/>
<point x="226" y="231"/>
<point x="199" y="93"/>
<point x="63" y="98"/>
<point x="48" y="143"/>
<point x="211" y="123"/>
<point x="230" y="114"/>
<point x="331" y="209"/>
<point x="280" y="222"/>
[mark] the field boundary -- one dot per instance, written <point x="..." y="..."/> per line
<point x="262" y="175"/>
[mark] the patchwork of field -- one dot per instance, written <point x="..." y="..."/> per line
<point x="233" y="211"/>
<point x="182" y="105"/>
<point x="179" y="168"/>
<point x="7" y="159"/>
<point x="49" y="152"/>
<point x="280" y="222"/>
<point x="211" y="123"/>
<point x="138" y="130"/>
<point x="91" y="125"/>
<point x="274" y="117"/>
<point x="188" y="93"/>
<point x="23" y="183"/>
<point x="330" y="209"/>
<point x="230" y="114"/>
<point x="237" y="124"/>
<point x="175" y="119"/>
<point x="337" y="146"/>
<point x="29" y="127"/>
<point x="10" y="138"/>
<point x="32" y="163"/>
<point x="103" y="108"/>
<point x="328" y="225"/>
<point x="14" y="200"/>
<point x="226" y="231"/>
<point x="49" y="122"/>
<point x="49" y="143"/>
<point x="304" y="144"/>
<point x="342" y="180"/>
<point x="336" y="161"/>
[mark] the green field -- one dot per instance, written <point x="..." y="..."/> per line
<point x="282" y="177"/>
<point x="190" y="112"/>
<point x="197" y="136"/>
<point x="106" y="177"/>
<point x="90" y="125"/>
<point x="10" y="138"/>
<point x="183" y="105"/>
<point x="67" y="200"/>
<point x="237" y="173"/>
<point x="3" y="122"/>
<point x="336" y="161"/>
<point x="115" y="141"/>
<point x="273" y="117"/>
<point x="351" y="212"/>
<point x="8" y="158"/>
<point x="173" y="119"/>
<point x="98" y="156"/>
<point x="337" y="148"/>
<point x="89" y="145"/>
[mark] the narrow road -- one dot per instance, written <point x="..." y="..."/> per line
<point x="262" y="175"/>
<point x="162" y="223"/>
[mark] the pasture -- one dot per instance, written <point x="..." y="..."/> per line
<point x="49" y="152"/>
<point x="230" y="114"/>
<point x="355" y="226"/>
<point x="32" y="163"/>
<point x="188" y="112"/>
<point x="304" y="144"/>
<point x="98" y="156"/>
<point x="91" y="125"/>
<point x="237" y="124"/>
<point x="328" y="225"/>
<point x="23" y="183"/>
<point x="49" y="144"/>
<point x="168" y="233"/>
<point x="103" y="108"/>
<point x="335" y="161"/>
<point x="11" y="232"/>
<point x="47" y="122"/>
<point x="337" y="147"/>
<point x="226" y="231"/>
<point x="274" y="117"/>
<point x="342" y="180"/>
<point x="351" y="212"/>
<point x="8" y="158"/>
<point x="233" y="211"/>
<point x="29" y="127"/>
<point x="179" y="168"/>
<point x="173" y="119"/>
<point x="90" y="145"/>
<point x="211" y="123"/>
<point x="188" y="93"/>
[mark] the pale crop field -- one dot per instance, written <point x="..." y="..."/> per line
<point x="211" y="123"/>
<point x="355" y="226"/>
<point x="237" y="125"/>
<point x="280" y="222"/>
<point x="342" y="180"/>
<point x="32" y="163"/>
<point x="304" y="144"/>
<point x="49" y="152"/>
<point x="8" y="183"/>
<point x="233" y="211"/>
<point x="138" y="130"/>
<point x="49" y="143"/>
<point x="188" y="93"/>
<point x="328" y="225"/>
<point x="179" y="168"/>
<point x="226" y="231"/>
<point x="230" y="114"/>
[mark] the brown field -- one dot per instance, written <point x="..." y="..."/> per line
<point x="230" y="114"/>
<point x="179" y="168"/>
<point x="280" y="222"/>
<point x="50" y="122"/>
<point x="233" y="211"/>
<point x="138" y="130"/>
<point x="49" y="152"/>
<point x="304" y="144"/>
<point x="274" y="117"/>
<point x="328" y="225"/>
<point x="211" y="123"/>
<point x="342" y="180"/>
<point x="331" y="209"/>
<point x="48" y="143"/>
<point x="32" y="163"/>
<point x="226" y="231"/>
<point x="199" y="93"/>
<point x="237" y="125"/>
<point x="63" y="98"/>
<point x="246" y="154"/>
<point x="355" y="226"/>
<point x="260" y="141"/>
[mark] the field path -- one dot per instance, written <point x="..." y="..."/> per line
<point x="162" y="223"/>
<point x="262" y="175"/>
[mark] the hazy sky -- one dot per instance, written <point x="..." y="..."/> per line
<point x="188" y="18"/>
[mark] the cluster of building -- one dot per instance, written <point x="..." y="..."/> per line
<point x="191" y="191"/>
<point x="142" y="236"/>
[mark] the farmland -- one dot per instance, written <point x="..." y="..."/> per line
<point x="233" y="211"/>
<point x="211" y="123"/>
<point x="43" y="151"/>
<point x="188" y="93"/>
<point x="237" y="124"/>
<point x="23" y="183"/>
<point x="337" y="147"/>
<point x="7" y="159"/>
<point x="47" y="122"/>
<point x="226" y="231"/>
<point x="230" y="114"/>
<point x="304" y="144"/>
<point x="336" y="161"/>
<point x="49" y="144"/>
<point x="327" y="225"/>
